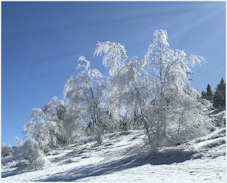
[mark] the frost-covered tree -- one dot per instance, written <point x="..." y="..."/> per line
<point x="37" y="129"/>
<point x="84" y="95"/>
<point x="41" y="132"/>
<point x="177" y="114"/>
<point x="46" y="125"/>
<point x="158" y="87"/>
<point x="55" y="111"/>
<point x="115" y="57"/>
<point x="129" y="90"/>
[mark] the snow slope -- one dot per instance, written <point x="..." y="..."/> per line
<point x="124" y="158"/>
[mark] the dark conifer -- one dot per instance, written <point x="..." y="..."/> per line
<point x="219" y="94"/>
<point x="209" y="93"/>
<point x="203" y="94"/>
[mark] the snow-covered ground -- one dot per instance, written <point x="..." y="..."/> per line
<point x="124" y="158"/>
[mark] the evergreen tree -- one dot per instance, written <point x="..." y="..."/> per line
<point x="203" y="94"/>
<point x="219" y="94"/>
<point x="209" y="93"/>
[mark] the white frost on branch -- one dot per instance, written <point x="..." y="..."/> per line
<point x="93" y="74"/>
<point x="115" y="56"/>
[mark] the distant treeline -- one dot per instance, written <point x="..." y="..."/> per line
<point x="218" y="96"/>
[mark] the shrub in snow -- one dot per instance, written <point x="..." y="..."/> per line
<point x="29" y="156"/>
<point x="6" y="150"/>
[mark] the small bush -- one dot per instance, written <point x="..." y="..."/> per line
<point x="6" y="150"/>
<point x="29" y="156"/>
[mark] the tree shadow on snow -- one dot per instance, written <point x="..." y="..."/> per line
<point x="111" y="167"/>
<point x="9" y="173"/>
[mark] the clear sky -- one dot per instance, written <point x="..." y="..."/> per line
<point x="41" y="42"/>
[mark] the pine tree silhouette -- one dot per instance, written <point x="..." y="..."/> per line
<point x="209" y="93"/>
<point x="219" y="94"/>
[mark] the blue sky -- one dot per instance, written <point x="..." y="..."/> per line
<point x="41" y="42"/>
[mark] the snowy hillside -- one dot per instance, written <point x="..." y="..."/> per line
<point x="123" y="158"/>
<point x="148" y="104"/>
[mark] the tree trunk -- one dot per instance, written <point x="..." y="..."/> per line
<point x="99" y="133"/>
<point x="99" y="137"/>
<point x="147" y="129"/>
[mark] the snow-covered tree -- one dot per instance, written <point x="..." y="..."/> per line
<point x="46" y="125"/>
<point x="129" y="90"/>
<point x="37" y="129"/>
<point x="175" y="101"/>
<point x="84" y="95"/>
<point x="41" y="132"/>
<point x="158" y="87"/>
<point x="55" y="111"/>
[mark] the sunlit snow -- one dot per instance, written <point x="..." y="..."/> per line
<point x="123" y="157"/>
